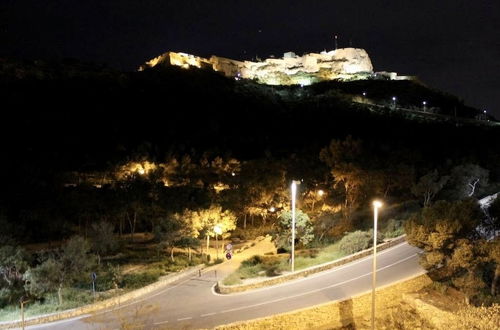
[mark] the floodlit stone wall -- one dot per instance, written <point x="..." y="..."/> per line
<point x="343" y="64"/>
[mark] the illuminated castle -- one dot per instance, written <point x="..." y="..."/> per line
<point x="339" y="64"/>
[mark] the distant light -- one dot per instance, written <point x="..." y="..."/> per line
<point x="377" y="204"/>
<point x="272" y="209"/>
<point x="364" y="93"/>
<point x="394" y="98"/>
<point x="424" y="103"/>
<point x="321" y="193"/>
<point x="141" y="171"/>
<point x="233" y="174"/>
<point x="217" y="229"/>
<point x="484" y="111"/>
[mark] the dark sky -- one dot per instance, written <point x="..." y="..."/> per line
<point x="453" y="45"/>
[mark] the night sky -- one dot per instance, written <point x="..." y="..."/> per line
<point x="450" y="45"/>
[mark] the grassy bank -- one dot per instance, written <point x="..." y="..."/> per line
<point x="395" y="309"/>
<point x="274" y="265"/>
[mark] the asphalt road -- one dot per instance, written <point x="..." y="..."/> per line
<point x="190" y="303"/>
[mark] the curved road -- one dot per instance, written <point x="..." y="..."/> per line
<point x="190" y="303"/>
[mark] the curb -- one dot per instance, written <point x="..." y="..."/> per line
<point x="224" y="289"/>
<point x="111" y="302"/>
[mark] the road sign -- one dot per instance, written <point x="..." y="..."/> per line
<point x="228" y="255"/>
<point x="94" y="276"/>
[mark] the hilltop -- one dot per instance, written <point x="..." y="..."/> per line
<point x="82" y="112"/>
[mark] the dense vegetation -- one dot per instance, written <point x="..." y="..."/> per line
<point x="90" y="159"/>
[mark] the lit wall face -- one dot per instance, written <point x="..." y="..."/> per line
<point x="342" y="64"/>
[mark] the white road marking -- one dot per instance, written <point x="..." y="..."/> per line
<point x="185" y="318"/>
<point x="322" y="273"/>
<point x="157" y="323"/>
<point x="315" y="290"/>
<point x="208" y="314"/>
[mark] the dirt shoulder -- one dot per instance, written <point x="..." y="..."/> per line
<point x="400" y="306"/>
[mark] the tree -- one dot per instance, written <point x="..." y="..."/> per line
<point x="102" y="239"/>
<point x="168" y="231"/>
<point x="428" y="186"/>
<point x="303" y="229"/>
<point x="202" y="222"/>
<point x="13" y="265"/>
<point x="344" y="157"/>
<point x="494" y="255"/>
<point x="468" y="180"/>
<point x="452" y="251"/>
<point x="61" y="269"/>
<point x="209" y="218"/>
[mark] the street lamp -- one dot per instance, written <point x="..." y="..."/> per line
<point x="394" y="101"/>
<point x="294" y="193"/>
<point x="424" y="103"/>
<point x="376" y="206"/>
<point x="218" y="231"/>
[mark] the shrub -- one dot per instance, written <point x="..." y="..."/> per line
<point x="355" y="241"/>
<point x="394" y="228"/>
<point x="138" y="280"/>
<point x="255" y="260"/>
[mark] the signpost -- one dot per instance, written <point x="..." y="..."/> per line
<point x="22" y="301"/>
<point x="94" y="277"/>
<point x="229" y="251"/>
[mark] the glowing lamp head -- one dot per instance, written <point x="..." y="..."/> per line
<point x="320" y="193"/>
<point x="218" y="230"/>
<point x="272" y="209"/>
<point x="377" y="204"/>
<point x="141" y="171"/>
<point x="394" y="98"/>
<point x="233" y="174"/>
<point x="424" y="103"/>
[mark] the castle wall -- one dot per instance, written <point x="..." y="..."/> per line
<point x="291" y="69"/>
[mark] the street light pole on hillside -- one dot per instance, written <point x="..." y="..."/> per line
<point x="294" y="193"/>
<point x="376" y="206"/>
<point x="218" y="231"/>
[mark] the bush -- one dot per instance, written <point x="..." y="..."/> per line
<point x="251" y="233"/>
<point x="355" y="242"/>
<point x="394" y="228"/>
<point x="255" y="260"/>
<point x="139" y="280"/>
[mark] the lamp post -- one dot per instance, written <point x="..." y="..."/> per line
<point x="294" y="193"/>
<point x="394" y="102"/>
<point x="218" y="231"/>
<point x="376" y="206"/>
<point x="424" y="104"/>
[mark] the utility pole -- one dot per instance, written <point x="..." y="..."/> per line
<point x="336" y="42"/>
<point x="294" y="193"/>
